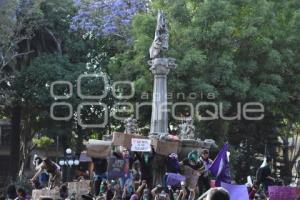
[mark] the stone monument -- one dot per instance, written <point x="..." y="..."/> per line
<point x="187" y="130"/>
<point x="160" y="67"/>
<point x="130" y="125"/>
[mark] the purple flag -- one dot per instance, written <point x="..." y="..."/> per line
<point x="220" y="167"/>
<point x="236" y="192"/>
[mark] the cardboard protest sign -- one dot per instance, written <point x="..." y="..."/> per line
<point x="282" y="193"/>
<point x="118" y="138"/>
<point x="124" y="139"/>
<point x="236" y="192"/>
<point x="98" y="148"/>
<point x="140" y="145"/>
<point x="115" y="167"/>
<point x="79" y="188"/>
<point x="37" y="194"/>
<point x="191" y="176"/>
<point x="163" y="147"/>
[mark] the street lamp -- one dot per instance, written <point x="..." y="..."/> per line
<point x="68" y="161"/>
<point x="68" y="151"/>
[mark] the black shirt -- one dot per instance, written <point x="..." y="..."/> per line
<point x="266" y="171"/>
<point x="100" y="165"/>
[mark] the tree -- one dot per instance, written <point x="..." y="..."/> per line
<point x="31" y="35"/>
<point x="239" y="51"/>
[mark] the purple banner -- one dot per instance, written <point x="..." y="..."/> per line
<point x="174" y="179"/>
<point x="236" y="192"/>
<point x="282" y="193"/>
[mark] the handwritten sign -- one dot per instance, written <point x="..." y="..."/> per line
<point x="140" y="145"/>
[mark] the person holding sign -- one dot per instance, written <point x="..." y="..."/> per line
<point x="145" y="159"/>
<point x="172" y="176"/>
<point x="192" y="168"/>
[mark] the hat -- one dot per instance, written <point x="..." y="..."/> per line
<point x="193" y="155"/>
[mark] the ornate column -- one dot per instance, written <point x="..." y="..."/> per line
<point x="160" y="68"/>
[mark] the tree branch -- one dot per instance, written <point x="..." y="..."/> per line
<point x="5" y="63"/>
<point x="58" y="43"/>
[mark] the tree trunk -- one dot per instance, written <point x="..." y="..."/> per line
<point x="14" y="161"/>
<point x="79" y="141"/>
<point x="286" y="172"/>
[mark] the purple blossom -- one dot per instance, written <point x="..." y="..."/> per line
<point x="77" y="2"/>
<point x="105" y="16"/>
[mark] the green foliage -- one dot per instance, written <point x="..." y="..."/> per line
<point x="43" y="142"/>
<point x="241" y="51"/>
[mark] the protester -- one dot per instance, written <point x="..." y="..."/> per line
<point x="141" y="192"/>
<point x="11" y="192"/>
<point x="252" y="189"/>
<point x="81" y="173"/>
<point x="43" y="179"/>
<point x="146" y="194"/>
<point x="117" y="190"/>
<point x="159" y="194"/>
<point x="264" y="175"/>
<point x="217" y="194"/>
<point x="172" y="166"/>
<point x="145" y="159"/>
<point x="52" y="169"/>
<point x="63" y="191"/>
<point x="120" y="188"/>
<point x="204" y="180"/>
<point x="127" y="178"/>
<point x="184" y="192"/>
<point x="103" y="188"/>
<point x="22" y="195"/>
<point x="170" y="192"/>
<point x="192" y="162"/>
<point x="136" y="173"/>
<point x="98" y="167"/>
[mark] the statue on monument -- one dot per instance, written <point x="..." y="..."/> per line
<point x="130" y="125"/>
<point x="161" y="39"/>
<point x="187" y="129"/>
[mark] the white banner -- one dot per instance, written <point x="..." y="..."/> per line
<point x="140" y="145"/>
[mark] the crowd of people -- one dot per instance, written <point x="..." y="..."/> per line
<point x="137" y="183"/>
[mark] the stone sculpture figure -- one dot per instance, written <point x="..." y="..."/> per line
<point x="161" y="39"/>
<point x="187" y="129"/>
<point x="130" y="125"/>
